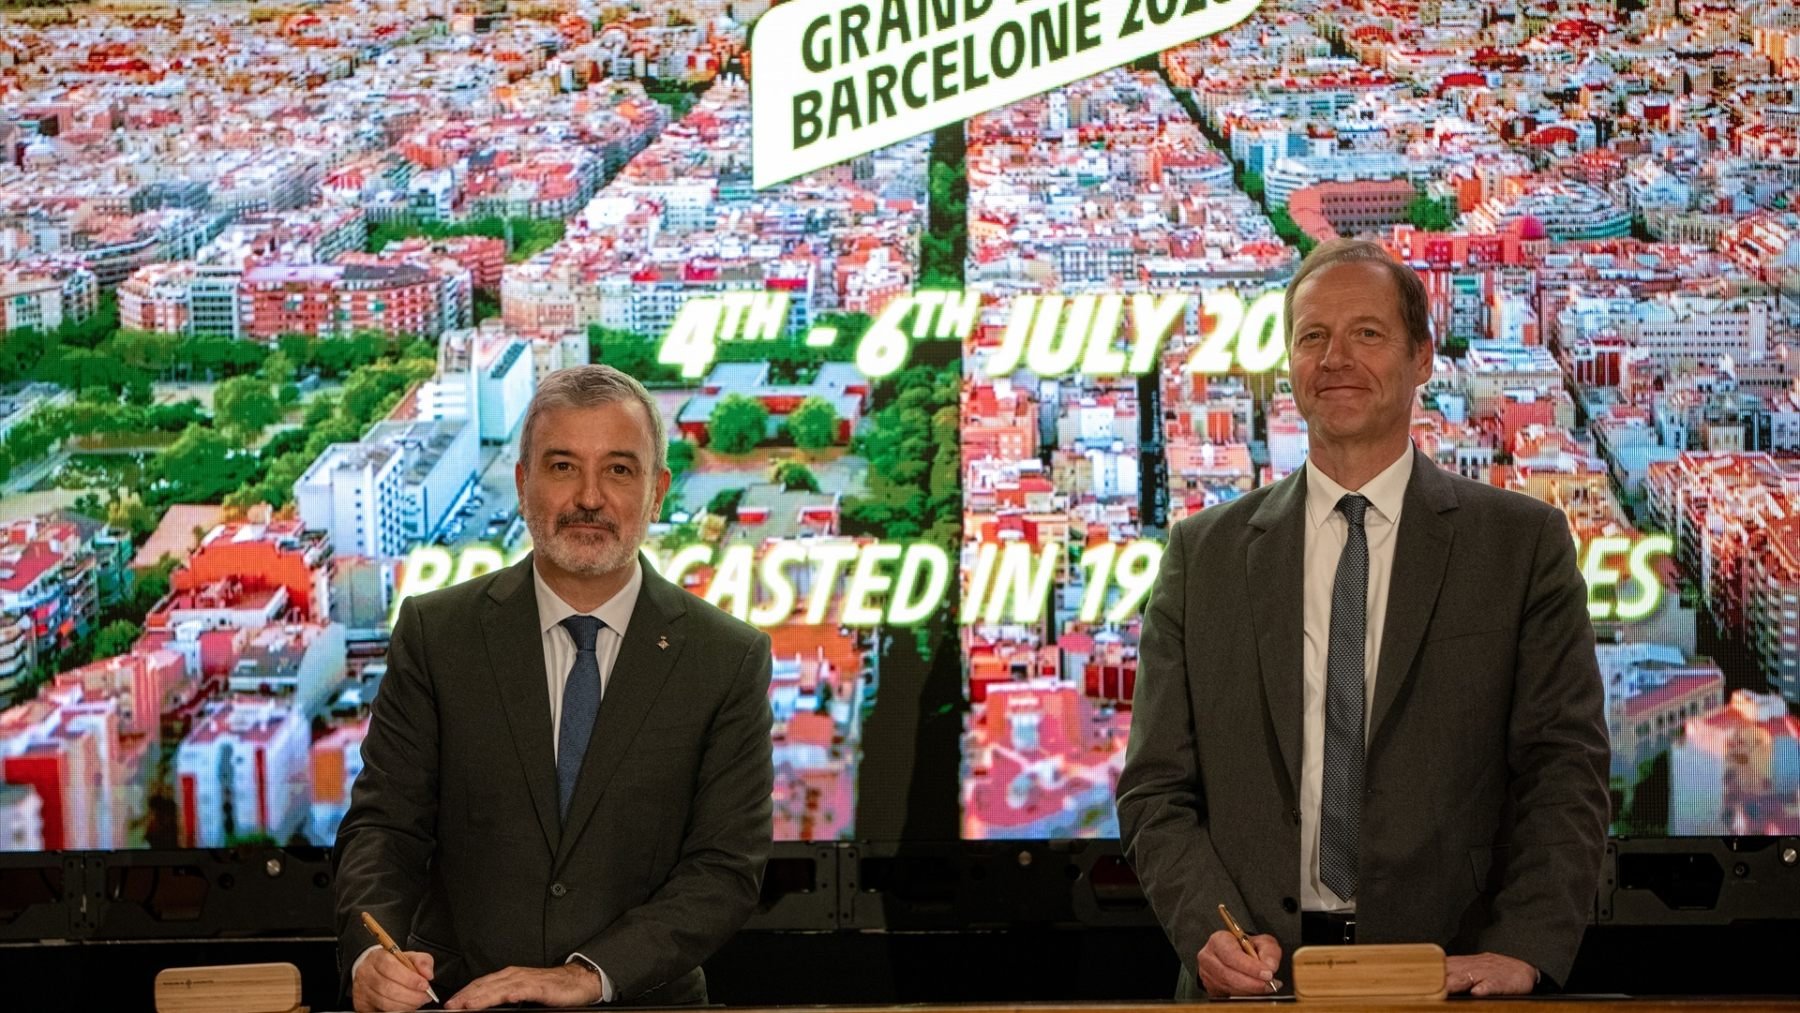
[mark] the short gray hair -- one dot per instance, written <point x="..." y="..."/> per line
<point x="590" y="387"/>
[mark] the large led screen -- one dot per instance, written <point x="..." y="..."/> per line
<point x="277" y="284"/>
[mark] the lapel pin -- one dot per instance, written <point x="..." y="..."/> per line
<point x="662" y="642"/>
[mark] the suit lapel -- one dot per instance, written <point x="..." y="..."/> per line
<point x="652" y="644"/>
<point x="515" y="650"/>
<point x="1273" y="570"/>
<point x="1421" y="555"/>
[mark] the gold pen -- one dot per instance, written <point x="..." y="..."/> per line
<point x="1244" y="944"/>
<point x="388" y="944"/>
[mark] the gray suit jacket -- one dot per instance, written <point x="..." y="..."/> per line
<point x="1484" y="818"/>
<point x="453" y="840"/>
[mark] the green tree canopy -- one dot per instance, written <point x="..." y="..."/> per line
<point x="94" y="329"/>
<point x="1430" y="215"/>
<point x="199" y="467"/>
<point x="20" y="353"/>
<point x="278" y="370"/>
<point x="631" y="352"/>
<point x="738" y="424"/>
<point x="132" y="515"/>
<point x="146" y="350"/>
<point x="245" y="405"/>
<point x="914" y="456"/>
<point x="794" y="476"/>
<point x="725" y="503"/>
<point x="681" y="456"/>
<point x="814" y="424"/>
<point x="152" y="584"/>
<point x="115" y="638"/>
<point x="1290" y="231"/>
<point x="212" y="357"/>
<point x="77" y="368"/>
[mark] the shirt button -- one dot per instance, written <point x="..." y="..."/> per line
<point x="557" y="889"/>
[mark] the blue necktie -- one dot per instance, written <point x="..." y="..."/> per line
<point x="580" y="704"/>
<point x="1340" y="807"/>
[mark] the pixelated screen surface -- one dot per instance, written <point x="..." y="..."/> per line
<point x="277" y="285"/>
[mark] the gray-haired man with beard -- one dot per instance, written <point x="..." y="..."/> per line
<point x="565" y="788"/>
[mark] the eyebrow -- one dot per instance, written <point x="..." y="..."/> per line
<point x="630" y="455"/>
<point x="1365" y="318"/>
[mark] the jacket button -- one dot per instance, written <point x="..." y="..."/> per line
<point x="1294" y="816"/>
<point x="1290" y="905"/>
<point x="557" y="889"/>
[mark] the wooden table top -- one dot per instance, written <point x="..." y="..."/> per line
<point x="1537" y="1004"/>
<point x="1514" y="1004"/>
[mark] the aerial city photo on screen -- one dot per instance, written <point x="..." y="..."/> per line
<point x="279" y="279"/>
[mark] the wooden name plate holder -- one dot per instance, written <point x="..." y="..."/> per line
<point x="234" y="988"/>
<point x="1391" y="972"/>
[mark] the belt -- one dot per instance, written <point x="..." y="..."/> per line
<point x="1322" y="928"/>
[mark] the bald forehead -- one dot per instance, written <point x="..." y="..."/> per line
<point x="1371" y="273"/>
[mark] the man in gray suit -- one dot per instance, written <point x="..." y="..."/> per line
<point x="1368" y="707"/>
<point x="565" y="795"/>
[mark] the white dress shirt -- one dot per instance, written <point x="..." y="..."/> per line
<point x="1326" y="530"/>
<point x="559" y="643"/>
<point x="559" y="658"/>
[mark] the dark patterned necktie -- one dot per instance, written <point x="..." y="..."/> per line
<point x="580" y="704"/>
<point x="1340" y="805"/>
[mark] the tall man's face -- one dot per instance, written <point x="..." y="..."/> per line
<point x="1354" y="366"/>
<point x="591" y="488"/>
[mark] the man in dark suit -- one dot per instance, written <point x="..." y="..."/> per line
<point x="1368" y="707"/>
<point x="565" y="795"/>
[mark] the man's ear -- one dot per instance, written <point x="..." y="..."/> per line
<point x="1424" y="358"/>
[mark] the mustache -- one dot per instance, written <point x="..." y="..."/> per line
<point x="588" y="517"/>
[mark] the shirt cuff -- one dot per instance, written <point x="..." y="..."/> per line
<point x="606" y="985"/>
<point x="364" y="955"/>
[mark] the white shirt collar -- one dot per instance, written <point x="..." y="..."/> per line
<point x="1385" y="492"/>
<point x="615" y="612"/>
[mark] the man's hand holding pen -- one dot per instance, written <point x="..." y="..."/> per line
<point x="1232" y="963"/>
<point x="1225" y="969"/>
<point x="387" y="982"/>
<point x="391" y="978"/>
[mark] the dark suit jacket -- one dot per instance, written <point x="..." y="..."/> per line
<point x="453" y="840"/>
<point x="1484" y="820"/>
